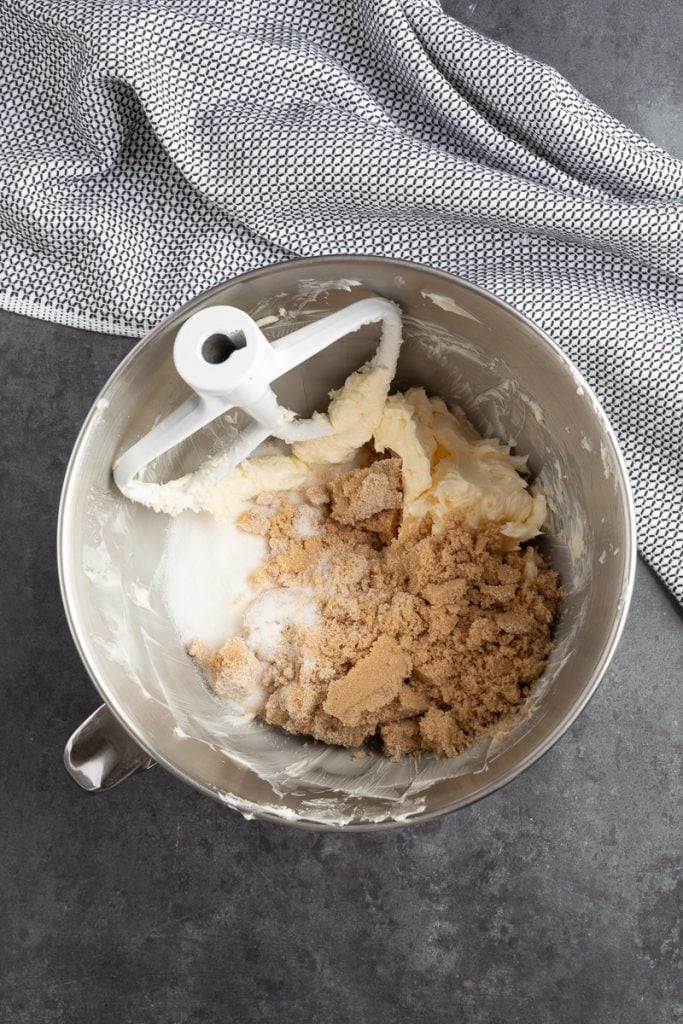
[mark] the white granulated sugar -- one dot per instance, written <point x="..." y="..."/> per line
<point x="245" y="685"/>
<point x="307" y="521"/>
<point x="327" y="586"/>
<point x="251" y="698"/>
<point x="271" y="612"/>
<point x="208" y="563"/>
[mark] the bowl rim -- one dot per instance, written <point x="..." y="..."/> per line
<point x="310" y="824"/>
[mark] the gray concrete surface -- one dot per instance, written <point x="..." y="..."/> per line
<point x="624" y="55"/>
<point x="556" y="900"/>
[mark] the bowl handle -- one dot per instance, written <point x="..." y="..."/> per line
<point x="100" y="753"/>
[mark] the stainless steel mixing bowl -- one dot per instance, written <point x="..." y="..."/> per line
<point x="461" y="343"/>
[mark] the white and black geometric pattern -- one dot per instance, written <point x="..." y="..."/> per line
<point x="151" y="148"/>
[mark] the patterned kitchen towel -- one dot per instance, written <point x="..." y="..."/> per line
<point x="152" y="148"/>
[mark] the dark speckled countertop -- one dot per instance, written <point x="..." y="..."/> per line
<point x="557" y="900"/>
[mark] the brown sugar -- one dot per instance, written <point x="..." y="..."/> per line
<point x="370" y="497"/>
<point x="362" y="493"/>
<point x="423" y="641"/>
<point x="231" y="669"/>
<point x="371" y="685"/>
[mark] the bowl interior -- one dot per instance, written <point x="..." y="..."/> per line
<point x="461" y="344"/>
